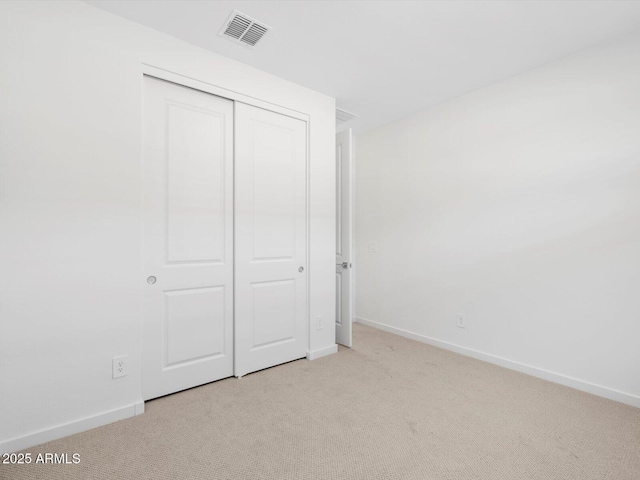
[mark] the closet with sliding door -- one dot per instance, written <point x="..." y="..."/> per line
<point x="224" y="242"/>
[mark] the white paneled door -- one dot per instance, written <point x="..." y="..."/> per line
<point x="344" y="209"/>
<point x="271" y="239"/>
<point x="187" y="238"/>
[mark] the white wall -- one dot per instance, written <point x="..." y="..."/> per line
<point x="70" y="178"/>
<point x="518" y="206"/>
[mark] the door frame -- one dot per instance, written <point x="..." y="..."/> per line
<point x="160" y="73"/>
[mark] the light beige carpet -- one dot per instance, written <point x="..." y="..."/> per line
<point x="390" y="408"/>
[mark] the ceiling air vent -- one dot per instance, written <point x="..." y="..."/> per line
<point x="243" y="29"/>
<point x="343" y="116"/>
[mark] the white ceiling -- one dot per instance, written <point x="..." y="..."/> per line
<point x="384" y="60"/>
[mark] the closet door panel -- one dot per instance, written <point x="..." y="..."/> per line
<point x="187" y="238"/>
<point x="271" y="239"/>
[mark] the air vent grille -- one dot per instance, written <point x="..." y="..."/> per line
<point x="237" y="27"/>
<point x="255" y="33"/>
<point x="243" y="29"/>
<point x="343" y="116"/>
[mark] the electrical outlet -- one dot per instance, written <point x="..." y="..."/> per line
<point x="319" y="323"/>
<point x="120" y="366"/>
<point x="461" y="321"/>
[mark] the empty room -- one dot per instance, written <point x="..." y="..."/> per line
<point x="319" y="239"/>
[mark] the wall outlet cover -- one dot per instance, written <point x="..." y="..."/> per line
<point x="119" y="366"/>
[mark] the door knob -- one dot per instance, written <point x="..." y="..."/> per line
<point x="301" y="269"/>
<point x="344" y="265"/>
<point x="151" y="280"/>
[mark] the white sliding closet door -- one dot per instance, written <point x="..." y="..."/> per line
<point x="271" y="239"/>
<point x="187" y="238"/>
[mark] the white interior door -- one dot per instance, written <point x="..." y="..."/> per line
<point x="271" y="239"/>
<point x="187" y="238"/>
<point x="344" y="239"/>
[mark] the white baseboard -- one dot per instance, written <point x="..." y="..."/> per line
<point x="66" y="429"/>
<point x="565" y="380"/>
<point x="322" y="352"/>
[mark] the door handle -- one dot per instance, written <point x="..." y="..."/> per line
<point x="344" y="265"/>
<point x="151" y="280"/>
